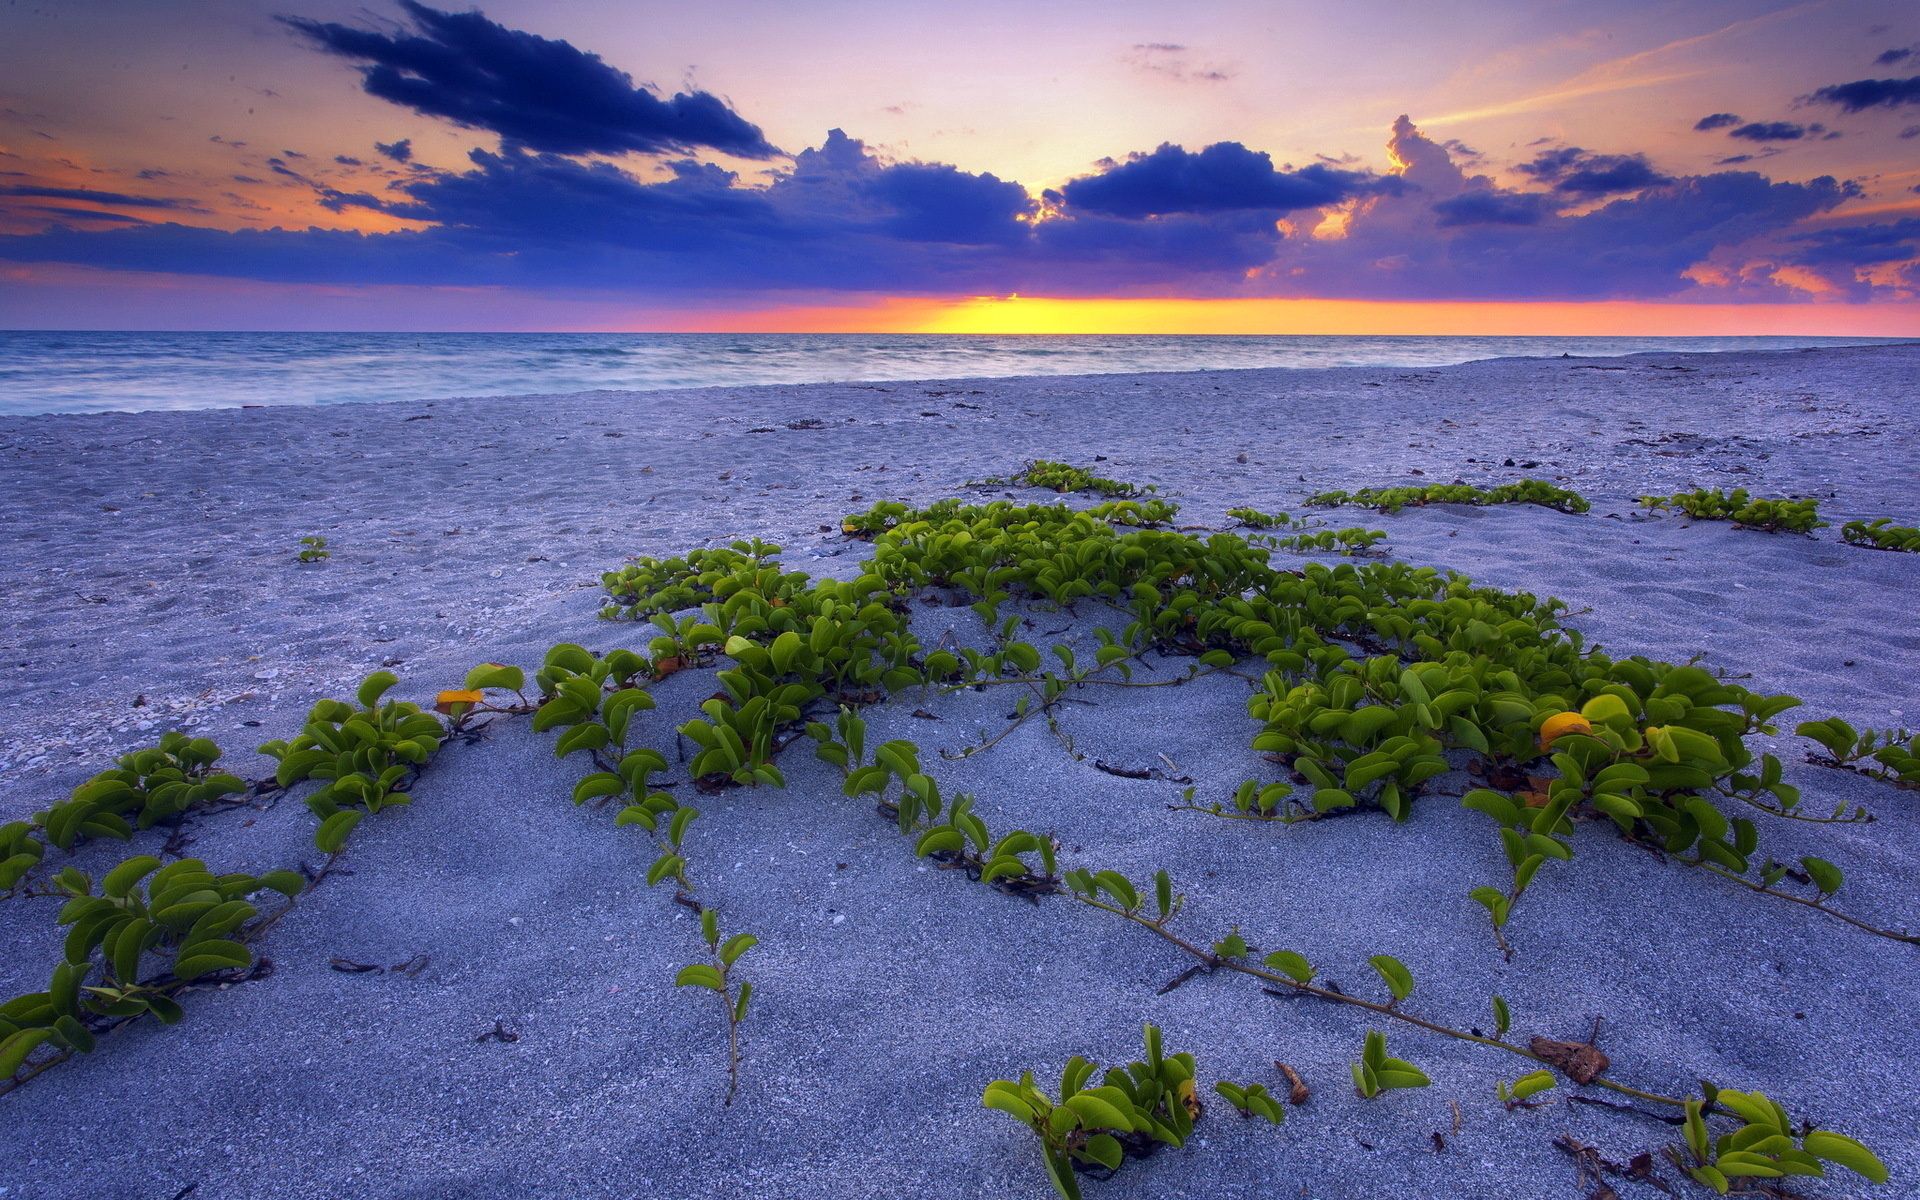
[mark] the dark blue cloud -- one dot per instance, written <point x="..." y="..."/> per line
<point x="1770" y="131"/>
<point x="535" y="92"/>
<point x="1224" y="177"/>
<point x="839" y="218"/>
<point x="938" y="203"/>
<point x="1889" y="57"/>
<point x="120" y="199"/>
<point x="1716" y="121"/>
<point x="1574" y="172"/>
<point x="1491" y="207"/>
<point x="400" y="151"/>
<point x="1860" y="245"/>
<point x="347" y="160"/>
<point x="1863" y="94"/>
<point x="85" y="214"/>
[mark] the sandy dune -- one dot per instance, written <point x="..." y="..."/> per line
<point x="150" y="583"/>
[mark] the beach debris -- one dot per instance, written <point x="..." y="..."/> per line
<point x="1297" y="1090"/>
<point x="1582" y="1062"/>
<point x="501" y="1032"/>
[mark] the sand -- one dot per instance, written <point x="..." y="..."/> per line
<point x="150" y="583"/>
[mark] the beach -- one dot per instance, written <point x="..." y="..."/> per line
<point x="539" y="1046"/>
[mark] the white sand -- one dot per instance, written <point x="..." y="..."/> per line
<point x="148" y="571"/>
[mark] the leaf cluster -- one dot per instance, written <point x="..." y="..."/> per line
<point x="1393" y="499"/>
<point x="1743" y="509"/>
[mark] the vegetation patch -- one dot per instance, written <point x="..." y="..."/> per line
<point x="1889" y="754"/>
<point x="1744" y="510"/>
<point x="1370" y="685"/>
<point x="1064" y="477"/>
<point x="1881" y="534"/>
<point x="1393" y="499"/>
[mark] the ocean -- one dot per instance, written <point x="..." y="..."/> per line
<point x="55" y="372"/>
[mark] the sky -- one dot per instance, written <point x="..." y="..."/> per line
<point x="1478" y="166"/>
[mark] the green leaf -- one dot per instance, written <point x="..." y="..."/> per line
<point x="495" y="675"/>
<point x="375" y="686"/>
<point x="737" y="945"/>
<point x="700" y="975"/>
<point x="1398" y="979"/>
<point x="333" y="831"/>
<point x="1291" y="964"/>
<point x="1838" y="1148"/>
<point x="121" y="879"/>
<point x="1824" y="874"/>
<point x="664" y="867"/>
<point x="600" y="783"/>
<point x="1104" y="1149"/>
<point x="203" y="958"/>
<point x="15" y="1048"/>
<point x="1098" y="1109"/>
<point x="942" y="839"/>
<point x="1002" y="1096"/>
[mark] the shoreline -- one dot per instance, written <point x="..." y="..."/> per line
<point x="893" y="381"/>
<point x="151" y="561"/>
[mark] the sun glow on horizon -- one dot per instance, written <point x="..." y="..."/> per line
<point x="1043" y="315"/>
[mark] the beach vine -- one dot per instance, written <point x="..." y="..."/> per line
<point x="1370" y="683"/>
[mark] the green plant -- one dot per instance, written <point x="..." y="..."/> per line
<point x="1252" y="1099"/>
<point x="313" y="548"/>
<point x="156" y="784"/>
<point x="1290" y="973"/>
<point x="1253" y="518"/>
<point x="1376" y="1072"/>
<point x="194" y="919"/>
<point x="1520" y="1093"/>
<point x="949" y="833"/>
<point x="1881" y="534"/>
<point x="1134" y="513"/>
<point x="1062" y="477"/>
<point x="1135" y="1109"/>
<point x="1347" y="541"/>
<point x="20" y="851"/>
<point x="647" y="586"/>
<point x="1393" y="499"/>
<point x="1765" y="1145"/>
<point x="717" y="977"/>
<point x="1896" y="751"/>
<point x="364" y="755"/>
<point x="1715" y="504"/>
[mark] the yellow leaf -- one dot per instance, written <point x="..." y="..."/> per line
<point x="455" y="701"/>
<point x="1560" y="725"/>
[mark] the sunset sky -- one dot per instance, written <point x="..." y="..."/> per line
<point x="1483" y="166"/>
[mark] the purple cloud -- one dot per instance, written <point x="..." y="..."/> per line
<point x="1863" y="94"/>
<point x="1223" y="177"/>
<point x="535" y="92"/>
